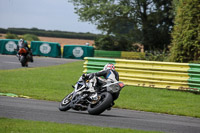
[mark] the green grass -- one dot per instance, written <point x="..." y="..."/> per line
<point x="26" y="126"/>
<point x="160" y="100"/>
<point x="53" y="83"/>
<point x="48" y="83"/>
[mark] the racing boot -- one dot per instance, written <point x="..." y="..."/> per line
<point x="94" y="98"/>
<point x="31" y="58"/>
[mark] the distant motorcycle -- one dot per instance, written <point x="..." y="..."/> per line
<point x="24" y="57"/>
<point x="83" y="98"/>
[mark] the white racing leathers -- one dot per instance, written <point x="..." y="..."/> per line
<point x="109" y="76"/>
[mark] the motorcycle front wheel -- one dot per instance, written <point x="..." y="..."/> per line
<point x="23" y="61"/>
<point x="104" y="103"/>
<point x="65" y="103"/>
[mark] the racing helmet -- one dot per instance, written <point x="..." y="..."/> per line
<point x="109" y="66"/>
<point x="21" y="40"/>
<point x="20" y="43"/>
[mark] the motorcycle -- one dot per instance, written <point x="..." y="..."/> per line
<point x="23" y="57"/>
<point x="95" y="101"/>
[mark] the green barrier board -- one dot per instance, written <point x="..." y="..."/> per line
<point x="51" y="49"/>
<point x="77" y="51"/>
<point x="7" y="46"/>
<point x="194" y="73"/>
<point x="103" y="53"/>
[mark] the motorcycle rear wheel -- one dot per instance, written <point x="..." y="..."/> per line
<point x="104" y="103"/>
<point x="65" y="103"/>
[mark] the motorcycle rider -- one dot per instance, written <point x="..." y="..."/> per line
<point x="23" y="44"/>
<point x="110" y="75"/>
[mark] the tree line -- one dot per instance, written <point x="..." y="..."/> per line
<point x="49" y="33"/>
<point x="159" y="25"/>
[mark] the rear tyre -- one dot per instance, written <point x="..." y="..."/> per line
<point x="65" y="103"/>
<point x="103" y="104"/>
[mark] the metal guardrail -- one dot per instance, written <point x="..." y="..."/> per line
<point x="180" y="76"/>
<point x="119" y="54"/>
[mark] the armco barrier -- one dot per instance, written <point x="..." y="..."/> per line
<point x="132" y="55"/>
<point x="181" y="76"/>
<point x="119" y="54"/>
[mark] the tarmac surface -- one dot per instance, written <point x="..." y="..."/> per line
<point x="12" y="62"/>
<point x="39" y="110"/>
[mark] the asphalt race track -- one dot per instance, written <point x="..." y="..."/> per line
<point x="12" y="62"/>
<point x="39" y="110"/>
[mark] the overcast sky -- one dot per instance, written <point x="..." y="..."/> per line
<point x="42" y="14"/>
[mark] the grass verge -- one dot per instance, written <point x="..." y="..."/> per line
<point x="47" y="83"/>
<point x="26" y="126"/>
<point x="53" y="83"/>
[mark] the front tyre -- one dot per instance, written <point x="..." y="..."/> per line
<point x="104" y="103"/>
<point x="23" y="61"/>
<point x="65" y="103"/>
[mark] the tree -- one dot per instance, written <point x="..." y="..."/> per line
<point x="104" y="42"/>
<point x="30" y="37"/>
<point x="11" y="36"/>
<point x="185" y="45"/>
<point x="108" y="42"/>
<point x="145" y="21"/>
